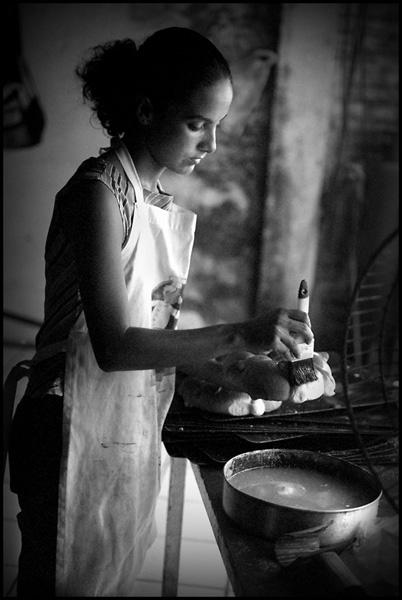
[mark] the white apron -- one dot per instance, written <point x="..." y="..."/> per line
<point x="110" y="472"/>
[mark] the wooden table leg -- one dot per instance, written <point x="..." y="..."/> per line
<point x="173" y="527"/>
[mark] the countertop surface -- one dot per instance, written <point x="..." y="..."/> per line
<point x="208" y="441"/>
<point x="250" y="560"/>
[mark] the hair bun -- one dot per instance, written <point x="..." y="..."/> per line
<point x="108" y="74"/>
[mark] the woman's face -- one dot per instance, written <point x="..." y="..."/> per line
<point x="181" y="136"/>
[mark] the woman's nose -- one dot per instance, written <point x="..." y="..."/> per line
<point x="208" y="143"/>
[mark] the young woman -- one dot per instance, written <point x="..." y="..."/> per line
<point x="85" y="443"/>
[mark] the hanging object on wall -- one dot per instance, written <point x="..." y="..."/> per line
<point x="23" y="116"/>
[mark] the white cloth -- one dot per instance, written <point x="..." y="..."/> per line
<point x="112" y="422"/>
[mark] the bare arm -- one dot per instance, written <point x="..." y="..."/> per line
<point x="92" y="222"/>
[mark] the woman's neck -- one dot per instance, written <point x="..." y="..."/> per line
<point x="148" y="171"/>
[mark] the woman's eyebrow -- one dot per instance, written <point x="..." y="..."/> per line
<point x="201" y="118"/>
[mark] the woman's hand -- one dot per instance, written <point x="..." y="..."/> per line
<point x="279" y="331"/>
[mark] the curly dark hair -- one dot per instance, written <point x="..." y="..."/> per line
<point x="169" y="66"/>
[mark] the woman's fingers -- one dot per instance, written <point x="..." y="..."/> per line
<point x="286" y="345"/>
<point x="278" y="331"/>
<point x="291" y="332"/>
<point x="299" y="324"/>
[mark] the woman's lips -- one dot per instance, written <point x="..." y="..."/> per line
<point x="196" y="159"/>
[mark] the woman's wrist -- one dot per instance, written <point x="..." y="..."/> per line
<point x="236" y="336"/>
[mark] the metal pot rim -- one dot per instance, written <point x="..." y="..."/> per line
<point x="306" y="454"/>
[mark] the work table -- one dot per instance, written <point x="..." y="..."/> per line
<point x="207" y="441"/>
<point x="249" y="561"/>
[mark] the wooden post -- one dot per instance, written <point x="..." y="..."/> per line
<point x="173" y="527"/>
<point x="304" y="105"/>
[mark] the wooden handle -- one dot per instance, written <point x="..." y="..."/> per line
<point x="303" y="299"/>
<point x="337" y="571"/>
<point x="326" y="575"/>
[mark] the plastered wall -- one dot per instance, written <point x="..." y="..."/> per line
<point x="262" y="199"/>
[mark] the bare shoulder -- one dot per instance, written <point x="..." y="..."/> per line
<point x="89" y="210"/>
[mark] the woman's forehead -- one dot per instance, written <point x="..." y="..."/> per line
<point x="208" y="102"/>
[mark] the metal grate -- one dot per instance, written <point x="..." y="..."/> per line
<point x="370" y="358"/>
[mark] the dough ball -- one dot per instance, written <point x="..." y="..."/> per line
<point x="270" y="405"/>
<point x="257" y="407"/>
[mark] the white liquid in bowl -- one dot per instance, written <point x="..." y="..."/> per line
<point x="299" y="488"/>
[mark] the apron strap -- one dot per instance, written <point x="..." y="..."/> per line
<point x="20" y="370"/>
<point x="124" y="157"/>
<point x="49" y="351"/>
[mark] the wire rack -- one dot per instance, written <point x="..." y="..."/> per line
<point x="370" y="361"/>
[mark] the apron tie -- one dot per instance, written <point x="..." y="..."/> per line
<point x="18" y="372"/>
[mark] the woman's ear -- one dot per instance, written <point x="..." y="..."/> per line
<point x="145" y="112"/>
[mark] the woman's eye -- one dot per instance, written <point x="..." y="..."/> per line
<point x="194" y="127"/>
